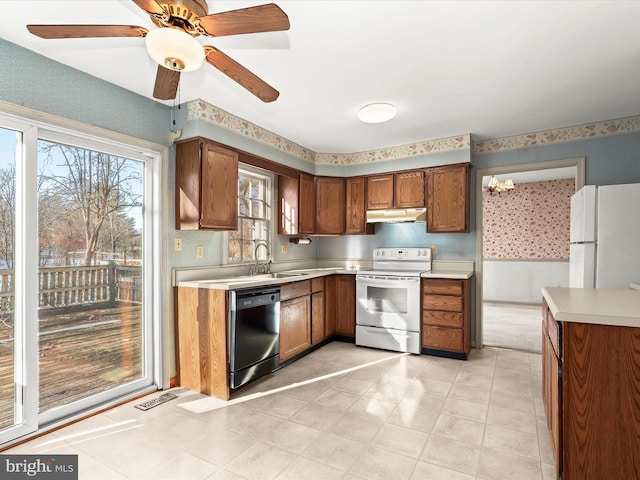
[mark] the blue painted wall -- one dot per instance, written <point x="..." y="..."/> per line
<point x="34" y="81"/>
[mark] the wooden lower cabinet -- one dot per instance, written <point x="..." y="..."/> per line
<point x="295" y="322"/>
<point x="591" y="395"/>
<point x="446" y="317"/>
<point x="318" y="323"/>
<point x="295" y="318"/>
<point x="201" y="315"/>
<point x="341" y="305"/>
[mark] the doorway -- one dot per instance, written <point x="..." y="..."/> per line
<point x="508" y="282"/>
<point x="79" y="320"/>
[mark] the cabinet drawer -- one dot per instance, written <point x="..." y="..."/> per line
<point x="317" y="284"/>
<point x="295" y="289"/>
<point x="555" y="332"/>
<point x="442" y="302"/>
<point x="443" y="287"/>
<point x="442" y="338"/>
<point x="443" y="319"/>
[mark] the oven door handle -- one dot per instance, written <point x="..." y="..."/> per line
<point x="387" y="280"/>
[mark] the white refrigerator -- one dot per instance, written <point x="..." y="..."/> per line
<point x="605" y="236"/>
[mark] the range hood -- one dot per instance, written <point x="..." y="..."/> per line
<point x="397" y="215"/>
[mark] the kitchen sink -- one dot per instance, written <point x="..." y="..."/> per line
<point x="281" y="275"/>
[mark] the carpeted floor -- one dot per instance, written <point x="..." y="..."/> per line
<point x="512" y="326"/>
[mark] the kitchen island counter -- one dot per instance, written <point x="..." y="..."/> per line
<point x="603" y="306"/>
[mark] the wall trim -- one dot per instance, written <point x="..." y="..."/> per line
<point x="201" y="110"/>
<point x="559" y="135"/>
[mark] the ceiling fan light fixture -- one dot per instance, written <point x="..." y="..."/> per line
<point x="377" y="113"/>
<point x="174" y="49"/>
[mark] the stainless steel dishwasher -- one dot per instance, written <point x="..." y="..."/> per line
<point x="254" y="333"/>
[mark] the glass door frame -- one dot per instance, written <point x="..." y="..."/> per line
<point x="27" y="420"/>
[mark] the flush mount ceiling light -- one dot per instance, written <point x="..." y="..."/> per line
<point x="377" y="113"/>
<point x="174" y="49"/>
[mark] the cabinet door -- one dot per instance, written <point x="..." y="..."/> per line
<point x="345" y="305"/>
<point x="555" y="408"/>
<point x="288" y="205"/>
<point x="356" y="219"/>
<point x="330" y="292"/>
<point x="219" y="188"/>
<point x="307" y="204"/>
<point x="330" y="205"/>
<point x="295" y="322"/>
<point x="409" y="189"/>
<point x="448" y="199"/>
<point x="380" y="191"/>
<point x="188" y="185"/>
<point x="317" y="318"/>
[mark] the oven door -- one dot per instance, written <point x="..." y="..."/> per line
<point x="388" y="301"/>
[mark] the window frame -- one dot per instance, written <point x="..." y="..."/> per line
<point x="271" y="179"/>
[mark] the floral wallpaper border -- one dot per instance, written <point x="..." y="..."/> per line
<point x="559" y="135"/>
<point x="199" y="109"/>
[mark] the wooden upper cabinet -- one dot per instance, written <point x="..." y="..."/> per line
<point x="409" y="189"/>
<point x="380" y="191"/>
<point x="448" y="199"/>
<point x="356" y="218"/>
<point x="396" y="190"/>
<point x="306" y="204"/>
<point x="330" y="205"/>
<point x="206" y="186"/>
<point x="288" y="205"/>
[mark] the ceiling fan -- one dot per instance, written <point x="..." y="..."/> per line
<point x="173" y="45"/>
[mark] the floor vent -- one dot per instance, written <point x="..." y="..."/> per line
<point x="165" y="397"/>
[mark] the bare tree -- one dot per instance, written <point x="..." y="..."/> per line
<point x="97" y="184"/>
<point x="7" y="213"/>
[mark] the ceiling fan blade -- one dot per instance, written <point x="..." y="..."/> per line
<point x="86" y="31"/>
<point x="240" y="74"/>
<point x="166" y="85"/>
<point x="149" y="6"/>
<point x="263" y="18"/>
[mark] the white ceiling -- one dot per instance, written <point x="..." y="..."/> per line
<point x="491" y="69"/>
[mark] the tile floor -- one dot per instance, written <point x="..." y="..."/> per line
<point x="514" y="326"/>
<point x="342" y="412"/>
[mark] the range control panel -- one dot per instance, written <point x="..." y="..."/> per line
<point x="409" y="254"/>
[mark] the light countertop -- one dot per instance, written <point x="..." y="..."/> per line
<point x="604" y="306"/>
<point x="454" y="270"/>
<point x="455" y="274"/>
<point x="250" y="281"/>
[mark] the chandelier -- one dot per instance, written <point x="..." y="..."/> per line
<point x="496" y="185"/>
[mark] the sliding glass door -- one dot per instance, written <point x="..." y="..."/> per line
<point x="18" y="392"/>
<point x="76" y="276"/>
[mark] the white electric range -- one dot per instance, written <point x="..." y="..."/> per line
<point x="388" y="299"/>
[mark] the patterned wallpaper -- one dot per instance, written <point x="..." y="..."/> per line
<point x="530" y="222"/>
<point x="199" y="109"/>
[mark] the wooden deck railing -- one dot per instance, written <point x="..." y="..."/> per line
<point x="78" y="285"/>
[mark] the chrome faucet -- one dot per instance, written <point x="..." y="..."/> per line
<point x="257" y="268"/>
